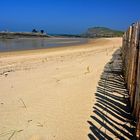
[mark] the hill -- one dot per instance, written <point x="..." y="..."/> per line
<point x="102" y="32"/>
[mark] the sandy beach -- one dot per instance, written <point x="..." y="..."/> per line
<point x="48" y="94"/>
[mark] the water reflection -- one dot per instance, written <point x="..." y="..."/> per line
<point x="37" y="43"/>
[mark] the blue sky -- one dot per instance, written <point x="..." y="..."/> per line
<point x="67" y="16"/>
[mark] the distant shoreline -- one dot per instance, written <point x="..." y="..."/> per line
<point x="94" y="32"/>
<point x="13" y="35"/>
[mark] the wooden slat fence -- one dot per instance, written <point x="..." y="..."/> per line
<point x="131" y="67"/>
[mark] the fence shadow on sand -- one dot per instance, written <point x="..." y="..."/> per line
<point x="111" y="118"/>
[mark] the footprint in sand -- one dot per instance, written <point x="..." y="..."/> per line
<point x="39" y="124"/>
<point x="30" y="121"/>
<point x="88" y="70"/>
<point x="44" y="60"/>
<point x="36" y="137"/>
<point x="6" y="74"/>
<point x="58" y="80"/>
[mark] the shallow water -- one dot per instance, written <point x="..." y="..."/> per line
<point x="37" y="43"/>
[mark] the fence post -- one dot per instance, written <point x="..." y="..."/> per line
<point x="131" y="65"/>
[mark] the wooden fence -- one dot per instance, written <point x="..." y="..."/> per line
<point x="131" y="63"/>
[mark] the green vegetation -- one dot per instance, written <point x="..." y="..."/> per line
<point x="95" y="32"/>
<point x="12" y="35"/>
<point x="102" y="32"/>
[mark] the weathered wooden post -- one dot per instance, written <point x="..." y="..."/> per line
<point x="131" y="64"/>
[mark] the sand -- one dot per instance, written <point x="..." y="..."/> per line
<point x="49" y="94"/>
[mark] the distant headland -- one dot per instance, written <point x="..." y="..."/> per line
<point x="12" y="35"/>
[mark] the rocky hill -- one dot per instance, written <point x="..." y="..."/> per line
<point x="102" y="32"/>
